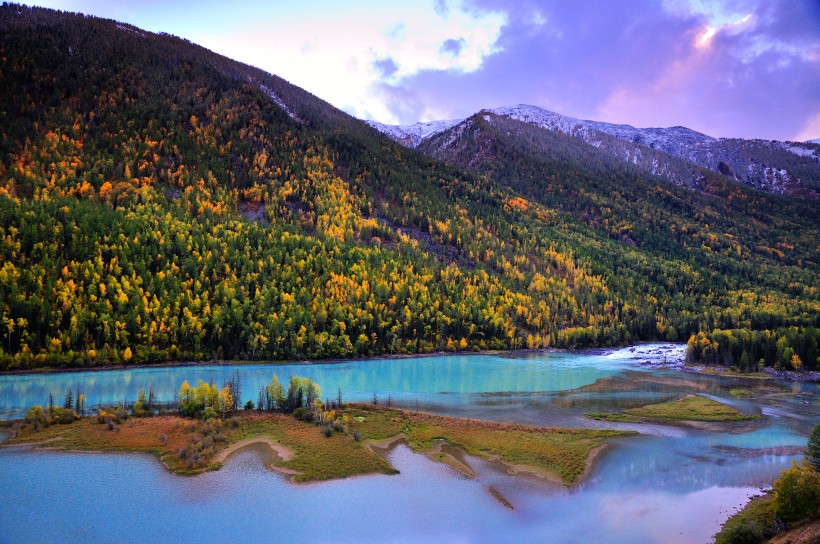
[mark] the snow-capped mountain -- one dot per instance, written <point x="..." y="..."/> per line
<point x="675" y="153"/>
<point x="413" y="135"/>
<point x="675" y="140"/>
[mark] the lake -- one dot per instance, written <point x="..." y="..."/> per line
<point x="671" y="484"/>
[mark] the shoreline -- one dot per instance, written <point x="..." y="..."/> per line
<point x="299" y="450"/>
<point x="283" y="454"/>
<point x="768" y="373"/>
<point x="332" y="360"/>
<point x="243" y="362"/>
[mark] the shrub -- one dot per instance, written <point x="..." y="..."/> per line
<point x="249" y="405"/>
<point x="797" y="493"/>
<point x="37" y="416"/>
<point x="357" y="436"/>
<point x="813" y="448"/>
<point x="62" y="415"/>
<point x="121" y="414"/>
<point x="303" y="414"/>
<point x="339" y="427"/>
<point x="209" y="413"/>
<point x="140" y="410"/>
<point x="747" y="533"/>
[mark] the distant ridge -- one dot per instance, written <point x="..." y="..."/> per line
<point x="772" y="166"/>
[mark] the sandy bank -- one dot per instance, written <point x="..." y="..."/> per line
<point x="279" y="453"/>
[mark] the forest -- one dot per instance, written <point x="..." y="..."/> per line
<point x="156" y="204"/>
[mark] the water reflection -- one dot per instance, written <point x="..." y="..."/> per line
<point x="134" y="500"/>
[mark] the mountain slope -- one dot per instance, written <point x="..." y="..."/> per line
<point x="158" y="201"/>
<point x="672" y="153"/>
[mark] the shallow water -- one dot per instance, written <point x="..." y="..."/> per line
<point x="672" y="484"/>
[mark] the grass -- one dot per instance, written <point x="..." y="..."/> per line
<point x="558" y="453"/>
<point x="754" y="523"/>
<point x="729" y="373"/>
<point x="189" y="446"/>
<point x="612" y="416"/>
<point x="691" y="408"/>
<point x="316" y="457"/>
<point x="740" y="392"/>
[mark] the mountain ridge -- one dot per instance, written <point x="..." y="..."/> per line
<point x="773" y="166"/>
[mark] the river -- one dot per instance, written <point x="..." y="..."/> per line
<point x="671" y="484"/>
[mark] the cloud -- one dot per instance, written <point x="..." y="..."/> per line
<point x="725" y="67"/>
<point x="743" y="77"/>
<point x="743" y="68"/>
<point x="352" y="54"/>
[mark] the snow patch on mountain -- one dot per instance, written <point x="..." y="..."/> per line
<point x="802" y="149"/>
<point x="280" y="103"/>
<point x="674" y="153"/>
<point x="413" y="135"/>
<point x="678" y="141"/>
<point x="130" y="29"/>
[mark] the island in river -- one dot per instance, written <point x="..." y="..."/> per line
<point x="307" y="453"/>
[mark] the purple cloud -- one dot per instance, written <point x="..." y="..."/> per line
<point x="640" y="63"/>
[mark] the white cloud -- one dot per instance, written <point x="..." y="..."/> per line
<point x="334" y="55"/>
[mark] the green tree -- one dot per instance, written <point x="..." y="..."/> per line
<point x="797" y="492"/>
<point x="275" y="395"/>
<point x="141" y="405"/>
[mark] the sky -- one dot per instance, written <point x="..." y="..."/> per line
<point x="727" y="68"/>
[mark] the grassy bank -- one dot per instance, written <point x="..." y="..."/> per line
<point x="757" y="523"/>
<point x="558" y="453"/>
<point x="190" y="446"/>
<point x="687" y="408"/>
<point x="691" y="408"/>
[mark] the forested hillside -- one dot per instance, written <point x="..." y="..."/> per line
<point x="160" y="202"/>
<point x="737" y="238"/>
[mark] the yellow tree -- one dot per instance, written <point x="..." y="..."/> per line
<point x="225" y="400"/>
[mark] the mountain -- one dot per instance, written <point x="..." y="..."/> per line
<point x="778" y="167"/>
<point x="161" y="202"/>
<point x="413" y="135"/>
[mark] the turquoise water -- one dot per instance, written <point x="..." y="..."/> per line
<point x="447" y="380"/>
<point x="672" y="484"/>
